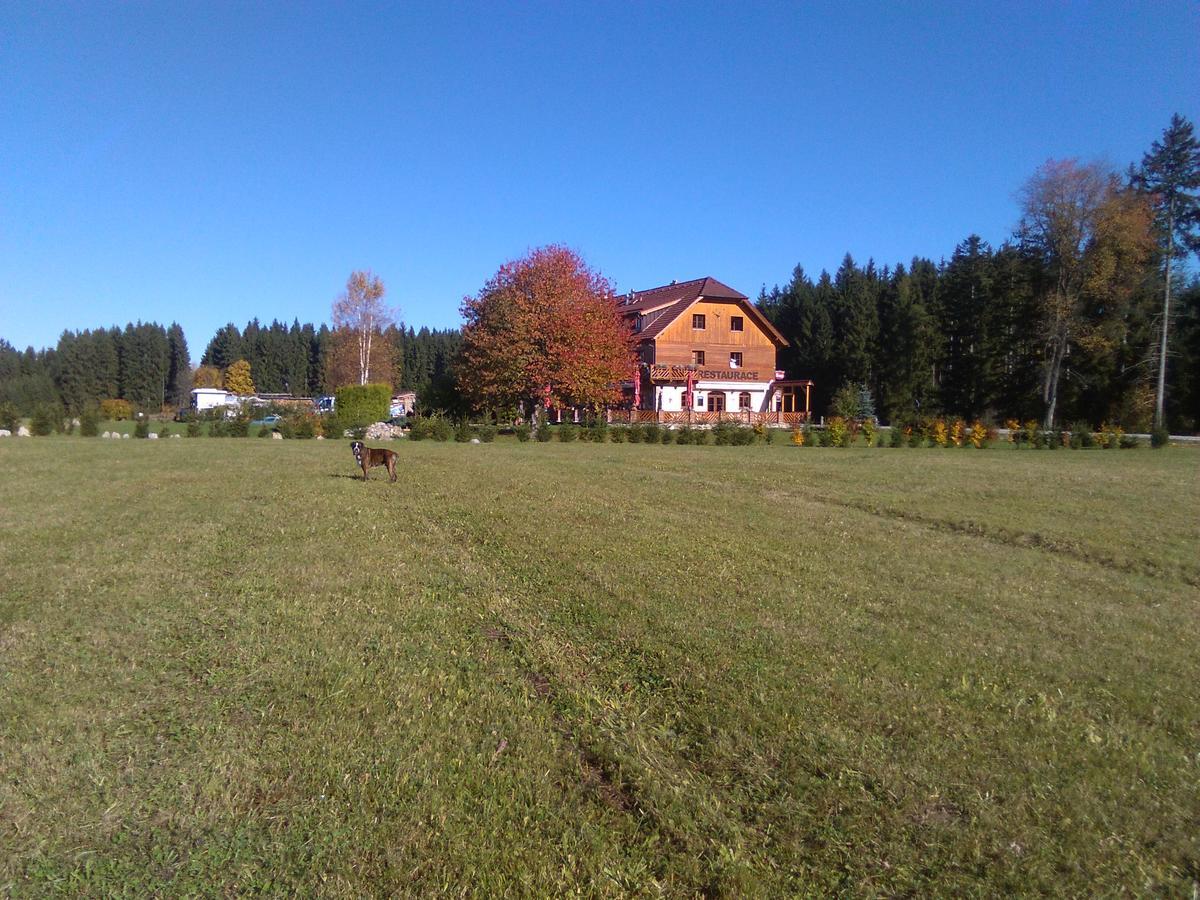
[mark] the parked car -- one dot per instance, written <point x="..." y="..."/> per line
<point x="270" y="421"/>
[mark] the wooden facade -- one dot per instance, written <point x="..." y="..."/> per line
<point x="677" y="343"/>
<point x="705" y="349"/>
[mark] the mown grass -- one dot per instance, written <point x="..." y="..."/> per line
<point x="226" y="666"/>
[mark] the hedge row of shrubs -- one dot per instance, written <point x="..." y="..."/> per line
<point x="725" y="433"/>
<point x="1078" y="437"/>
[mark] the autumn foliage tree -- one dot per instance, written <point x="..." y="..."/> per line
<point x="343" y="364"/>
<point x="544" y="329"/>
<point x="361" y="314"/>
<point x="237" y="378"/>
<point x="206" y="377"/>
<point x="1091" y="238"/>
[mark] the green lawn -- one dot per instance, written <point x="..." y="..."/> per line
<point x="227" y="666"/>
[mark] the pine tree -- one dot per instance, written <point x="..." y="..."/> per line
<point x="179" y="366"/>
<point x="1170" y="175"/>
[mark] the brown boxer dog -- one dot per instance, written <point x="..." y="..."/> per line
<point x="368" y="458"/>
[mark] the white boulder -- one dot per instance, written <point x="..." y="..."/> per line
<point x="153" y="435"/>
<point x="276" y="436"/>
<point x="23" y="432"/>
<point x="4" y="432"/>
<point x="125" y="436"/>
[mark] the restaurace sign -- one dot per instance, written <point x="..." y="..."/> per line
<point x="680" y="373"/>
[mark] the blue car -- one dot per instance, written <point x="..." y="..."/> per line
<point x="268" y="420"/>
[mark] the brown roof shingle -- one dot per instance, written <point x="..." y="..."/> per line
<point x="661" y="306"/>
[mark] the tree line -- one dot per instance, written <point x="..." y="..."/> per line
<point x="1083" y="313"/>
<point x="1068" y="319"/>
<point x="148" y="364"/>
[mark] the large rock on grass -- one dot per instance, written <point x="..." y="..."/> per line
<point x="276" y="436"/>
<point x="4" y="432"/>
<point x="23" y="432"/>
<point x="382" y="431"/>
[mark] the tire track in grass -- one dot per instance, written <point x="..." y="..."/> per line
<point x="1030" y="540"/>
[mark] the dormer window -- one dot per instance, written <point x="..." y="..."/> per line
<point x="637" y="325"/>
<point x="698" y="321"/>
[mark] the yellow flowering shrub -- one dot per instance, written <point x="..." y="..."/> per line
<point x="869" y="429"/>
<point x="838" y="431"/>
<point x="957" y="432"/>
<point x="979" y="435"/>
<point x="941" y="436"/>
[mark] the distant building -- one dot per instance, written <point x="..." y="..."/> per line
<point x="705" y="348"/>
<point x="213" y="398"/>
<point x="404" y="403"/>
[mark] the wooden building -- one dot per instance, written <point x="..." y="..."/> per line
<point x="703" y="348"/>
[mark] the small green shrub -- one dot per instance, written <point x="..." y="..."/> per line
<point x="544" y="434"/>
<point x="685" y="435"/>
<point x="487" y="434"/>
<point x="238" y="426"/>
<point x="89" y="422"/>
<point x="522" y="433"/>
<point x="264" y="432"/>
<point x="463" y="433"/>
<point x="635" y="434"/>
<point x="164" y="432"/>
<point x="1081" y="436"/>
<point x="1128" y="442"/>
<point x="618" y="433"/>
<point x="194" y="428"/>
<point x="666" y="436"/>
<point x="218" y="428"/>
<point x="1159" y="438"/>
<point x="142" y="428"/>
<point x="363" y="404"/>
<point x="895" y="436"/>
<point x="41" y="423"/>
<point x="332" y="426"/>
<point x="567" y="433"/>
<point x="303" y="427"/>
<point x="650" y="434"/>
<point x="9" y="418"/>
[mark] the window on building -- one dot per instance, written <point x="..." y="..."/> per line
<point x="735" y="360"/>
<point x="716" y="401"/>
<point x="640" y="323"/>
<point x="744" y="400"/>
<point x="735" y="323"/>
<point x="698" y="321"/>
<point x="697" y="357"/>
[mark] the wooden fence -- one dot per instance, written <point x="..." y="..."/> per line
<point x="739" y="417"/>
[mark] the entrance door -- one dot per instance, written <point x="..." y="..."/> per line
<point x="716" y="401"/>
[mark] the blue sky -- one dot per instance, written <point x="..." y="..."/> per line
<point x="212" y="162"/>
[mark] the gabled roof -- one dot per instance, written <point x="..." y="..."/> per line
<point x="661" y="306"/>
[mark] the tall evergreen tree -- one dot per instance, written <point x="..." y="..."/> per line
<point x="179" y="366"/>
<point x="1170" y="176"/>
<point x="224" y="348"/>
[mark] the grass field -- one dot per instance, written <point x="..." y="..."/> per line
<point x="228" y="667"/>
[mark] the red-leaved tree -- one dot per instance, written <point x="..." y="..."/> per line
<point x="544" y="326"/>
